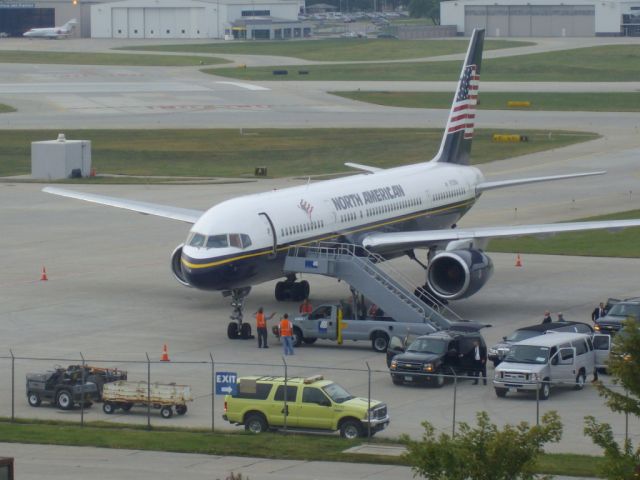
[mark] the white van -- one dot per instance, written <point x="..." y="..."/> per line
<point x="556" y="358"/>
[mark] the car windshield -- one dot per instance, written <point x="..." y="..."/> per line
<point x="625" y="310"/>
<point x="337" y="393"/>
<point x="428" y="345"/>
<point x="528" y="354"/>
<point x="522" y="335"/>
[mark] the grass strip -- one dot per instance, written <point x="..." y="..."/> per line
<point x="121" y="59"/>
<point x="285" y="152"/>
<point x="609" y="63"/>
<point x="597" y="243"/>
<point x="336" y="50"/>
<point x="292" y="446"/>
<point x="585" y="102"/>
<point x="6" y="108"/>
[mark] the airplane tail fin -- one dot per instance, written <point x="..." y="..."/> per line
<point x="456" y="141"/>
<point x="71" y="24"/>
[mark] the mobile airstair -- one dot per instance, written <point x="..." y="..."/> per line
<point x="363" y="271"/>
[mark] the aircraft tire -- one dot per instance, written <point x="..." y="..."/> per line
<point x="232" y="330"/>
<point x="245" y="331"/>
<point x="280" y="292"/>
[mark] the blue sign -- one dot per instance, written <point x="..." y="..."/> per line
<point x="226" y="383"/>
<point x="310" y="264"/>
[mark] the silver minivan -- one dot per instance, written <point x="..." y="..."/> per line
<point x="553" y="359"/>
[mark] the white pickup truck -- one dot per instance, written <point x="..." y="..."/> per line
<point x="322" y="323"/>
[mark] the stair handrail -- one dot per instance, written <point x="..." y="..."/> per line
<point x="357" y="253"/>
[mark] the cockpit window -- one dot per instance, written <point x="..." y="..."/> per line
<point x="234" y="240"/>
<point x="246" y="240"/>
<point x="197" y="240"/>
<point x="217" y="241"/>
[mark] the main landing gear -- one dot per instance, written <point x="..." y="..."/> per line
<point x="292" y="290"/>
<point x="236" y="329"/>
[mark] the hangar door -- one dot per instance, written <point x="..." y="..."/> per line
<point x="157" y="22"/>
<point x="531" y="20"/>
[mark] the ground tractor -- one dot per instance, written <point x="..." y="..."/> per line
<point x="61" y="387"/>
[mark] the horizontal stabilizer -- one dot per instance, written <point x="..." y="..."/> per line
<point x="481" y="187"/>
<point x="174" y="213"/>
<point x="366" y="168"/>
<point x="430" y="237"/>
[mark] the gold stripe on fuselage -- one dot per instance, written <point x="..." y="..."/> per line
<point x="328" y="237"/>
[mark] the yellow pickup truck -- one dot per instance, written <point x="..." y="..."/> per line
<point x="311" y="403"/>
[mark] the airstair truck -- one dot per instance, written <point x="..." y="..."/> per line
<point x="324" y="322"/>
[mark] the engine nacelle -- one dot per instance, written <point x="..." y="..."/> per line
<point x="176" y="266"/>
<point x="459" y="273"/>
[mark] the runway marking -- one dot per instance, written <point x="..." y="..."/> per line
<point x="248" y="86"/>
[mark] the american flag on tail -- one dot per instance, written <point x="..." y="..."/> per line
<point x="463" y="112"/>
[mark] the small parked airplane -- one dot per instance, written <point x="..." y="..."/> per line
<point x="52" y="32"/>
<point x="244" y="241"/>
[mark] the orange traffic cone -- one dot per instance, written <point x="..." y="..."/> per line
<point x="165" y="354"/>
<point x="518" y="261"/>
<point x="43" y="277"/>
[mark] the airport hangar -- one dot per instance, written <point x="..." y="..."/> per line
<point x="187" y="19"/>
<point x="544" y="18"/>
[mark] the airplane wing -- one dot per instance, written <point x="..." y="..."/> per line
<point x="166" y="211"/>
<point x="481" y="187"/>
<point x="366" y="168"/>
<point x="430" y="237"/>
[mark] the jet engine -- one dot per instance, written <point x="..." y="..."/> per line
<point x="458" y="274"/>
<point x="176" y="266"/>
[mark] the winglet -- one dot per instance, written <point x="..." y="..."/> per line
<point x="456" y="141"/>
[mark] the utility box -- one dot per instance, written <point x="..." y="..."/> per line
<point x="61" y="158"/>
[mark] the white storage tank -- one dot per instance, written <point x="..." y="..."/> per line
<point x="61" y="158"/>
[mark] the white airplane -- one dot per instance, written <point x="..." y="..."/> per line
<point x="52" y="32"/>
<point x="244" y="241"/>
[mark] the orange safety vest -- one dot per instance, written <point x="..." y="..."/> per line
<point x="285" y="328"/>
<point x="260" y="320"/>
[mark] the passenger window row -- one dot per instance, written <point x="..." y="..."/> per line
<point x="304" y="227"/>
<point x="456" y="192"/>
<point x="392" y="207"/>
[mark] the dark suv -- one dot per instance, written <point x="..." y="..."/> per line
<point x="612" y="322"/>
<point x="429" y="359"/>
<point x="499" y="351"/>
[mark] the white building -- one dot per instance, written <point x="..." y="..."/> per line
<point x="183" y="18"/>
<point x="543" y="18"/>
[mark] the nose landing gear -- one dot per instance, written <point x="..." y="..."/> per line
<point x="236" y="328"/>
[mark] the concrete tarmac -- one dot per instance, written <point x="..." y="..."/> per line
<point x="110" y="294"/>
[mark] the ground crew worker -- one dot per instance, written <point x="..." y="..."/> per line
<point x="261" y="327"/>
<point x="306" y="307"/>
<point x="286" y="334"/>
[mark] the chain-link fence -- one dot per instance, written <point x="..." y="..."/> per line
<point x="442" y="400"/>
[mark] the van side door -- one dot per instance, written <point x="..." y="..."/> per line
<point x="562" y="365"/>
<point x="602" y="347"/>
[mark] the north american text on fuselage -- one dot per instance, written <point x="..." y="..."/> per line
<point x="367" y="197"/>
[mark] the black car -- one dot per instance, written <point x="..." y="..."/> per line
<point x="431" y="359"/>
<point x="499" y="351"/>
<point x="612" y="322"/>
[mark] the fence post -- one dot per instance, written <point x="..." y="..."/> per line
<point x="13" y="387"/>
<point x="285" y="410"/>
<point x="82" y="393"/>
<point x="537" y="403"/>
<point x="368" y="402"/>
<point x="148" y="392"/>
<point x="213" y="392"/>
<point x="626" y="419"/>
<point x="455" y="398"/>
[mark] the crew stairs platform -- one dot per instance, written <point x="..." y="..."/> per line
<point x="362" y="270"/>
